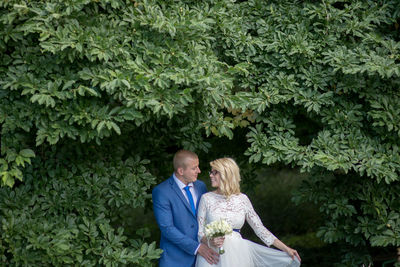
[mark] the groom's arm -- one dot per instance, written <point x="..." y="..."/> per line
<point x="164" y="218"/>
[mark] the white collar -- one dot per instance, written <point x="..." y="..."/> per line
<point x="179" y="182"/>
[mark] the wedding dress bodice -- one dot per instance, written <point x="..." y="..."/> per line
<point x="235" y="210"/>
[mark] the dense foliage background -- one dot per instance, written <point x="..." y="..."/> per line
<point x="95" y="97"/>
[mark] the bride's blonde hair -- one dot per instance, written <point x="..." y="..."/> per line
<point x="230" y="175"/>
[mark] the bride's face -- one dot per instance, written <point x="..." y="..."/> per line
<point x="215" y="177"/>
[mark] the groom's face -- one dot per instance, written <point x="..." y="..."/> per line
<point x="191" y="170"/>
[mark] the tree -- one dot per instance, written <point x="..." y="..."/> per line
<point x="324" y="91"/>
<point x="90" y="91"/>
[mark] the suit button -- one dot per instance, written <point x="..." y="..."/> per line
<point x="192" y="226"/>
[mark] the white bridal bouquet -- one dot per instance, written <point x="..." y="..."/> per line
<point x="218" y="228"/>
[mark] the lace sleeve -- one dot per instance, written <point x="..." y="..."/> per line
<point x="201" y="216"/>
<point x="254" y="221"/>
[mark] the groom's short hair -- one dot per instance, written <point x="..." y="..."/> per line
<point x="181" y="157"/>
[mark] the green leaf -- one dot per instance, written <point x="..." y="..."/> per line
<point x="115" y="127"/>
<point x="7" y="179"/>
<point x="100" y="126"/>
<point x="27" y="153"/>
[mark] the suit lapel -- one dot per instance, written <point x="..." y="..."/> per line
<point x="179" y="192"/>
<point x="197" y="190"/>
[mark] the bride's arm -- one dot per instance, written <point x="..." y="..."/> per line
<point x="208" y="254"/>
<point x="292" y="252"/>
<point x="263" y="233"/>
<point x="254" y="221"/>
<point x="201" y="219"/>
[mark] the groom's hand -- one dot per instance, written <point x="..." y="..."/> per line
<point x="207" y="253"/>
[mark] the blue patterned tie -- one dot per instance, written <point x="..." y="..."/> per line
<point x="190" y="197"/>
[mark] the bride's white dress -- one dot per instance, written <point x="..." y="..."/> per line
<point x="239" y="252"/>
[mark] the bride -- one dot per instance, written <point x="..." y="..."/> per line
<point x="227" y="203"/>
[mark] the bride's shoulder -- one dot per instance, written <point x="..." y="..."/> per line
<point x="244" y="197"/>
<point x="210" y="195"/>
<point x="207" y="195"/>
<point x="213" y="193"/>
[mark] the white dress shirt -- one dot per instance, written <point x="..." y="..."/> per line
<point x="182" y="187"/>
<point x="194" y="195"/>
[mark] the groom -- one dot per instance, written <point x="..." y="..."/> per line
<point x="175" y="203"/>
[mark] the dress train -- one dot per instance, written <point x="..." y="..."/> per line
<point x="241" y="252"/>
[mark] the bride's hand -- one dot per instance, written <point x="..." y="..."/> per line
<point x="217" y="241"/>
<point x="293" y="253"/>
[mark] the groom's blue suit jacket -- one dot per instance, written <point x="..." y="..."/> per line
<point x="177" y="223"/>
